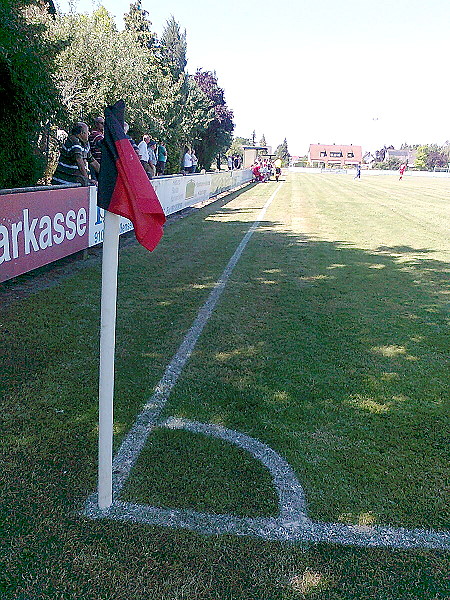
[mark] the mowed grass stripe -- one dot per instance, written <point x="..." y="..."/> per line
<point x="393" y="215"/>
<point x="421" y="198"/>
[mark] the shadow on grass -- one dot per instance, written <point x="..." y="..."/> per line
<point x="332" y="355"/>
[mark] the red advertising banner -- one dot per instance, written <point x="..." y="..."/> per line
<point x="39" y="227"/>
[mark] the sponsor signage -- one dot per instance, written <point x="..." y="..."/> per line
<point x="176" y="193"/>
<point x="220" y="182"/>
<point x="96" y="220"/>
<point x="37" y="228"/>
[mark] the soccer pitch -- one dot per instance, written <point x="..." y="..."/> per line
<point x="327" y="346"/>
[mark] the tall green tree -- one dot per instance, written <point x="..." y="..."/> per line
<point x="283" y="152"/>
<point x="28" y="95"/>
<point x="217" y="137"/>
<point x="421" y="158"/>
<point x="102" y="65"/>
<point x="137" y="21"/>
<point x="174" y="47"/>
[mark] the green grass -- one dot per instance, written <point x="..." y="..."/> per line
<point x="329" y="344"/>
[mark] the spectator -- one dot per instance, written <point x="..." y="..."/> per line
<point x="162" y="159"/>
<point x="96" y="137"/>
<point x="264" y="171"/>
<point x="194" y="161"/>
<point x="230" y="163"/>
<point x="278" y="164"/>
<point x="75" y="155"/>
<point x="152" y="157"/>
<point x="256" y="172"/>
<point x="187" y="161"/>
<point x="143" y="155"/>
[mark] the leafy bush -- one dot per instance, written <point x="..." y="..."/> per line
<point x="28" y="94"/>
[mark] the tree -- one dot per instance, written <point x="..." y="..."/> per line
<point x="283" y="153"/>
<point x="137" y="20"/>
<point x="28" y="95"/>
<point x="102" y="65"/>
<point x="237" y="146"/>
<point x="421" y="158"/>
<point x="217" y="137"/>
<point x="174" y="47"/>
<point x="185" y="119"/>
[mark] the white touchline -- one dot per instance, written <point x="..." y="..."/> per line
<point x="292" y="523"/>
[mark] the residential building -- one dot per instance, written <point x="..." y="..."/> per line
<point x="334" y="155"/>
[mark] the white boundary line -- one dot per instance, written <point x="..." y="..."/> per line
<point x="292" y="523"/>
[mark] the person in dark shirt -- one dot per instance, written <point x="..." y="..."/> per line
<point x="75" y="156"/>
<point x="95" y="138"/>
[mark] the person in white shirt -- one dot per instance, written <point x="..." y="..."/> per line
<point x="187" y="161"/>
<point x="143" y="154"/>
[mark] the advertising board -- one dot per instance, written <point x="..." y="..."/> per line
<point x="40" y="227"/>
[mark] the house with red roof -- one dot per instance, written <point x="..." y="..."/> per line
<point x="334" y="155"/>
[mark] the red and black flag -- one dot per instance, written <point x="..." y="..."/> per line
<point x="123" y="185"/>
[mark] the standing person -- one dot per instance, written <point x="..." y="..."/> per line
<point x="230" y="163"/>
<point x="96" y="137"/>
<point x="187" y="161"/>
<point x="264" y="171"/>
<point x="278" y="164"/>
<point x="194" y="161"/>
<point x="358" y="172"/>
<point x="162" y="159"/>
<point x="143" y="154"/>
<point x="152" y="157"/>
<point x="402" y="170"/>
<point x="74" y="158"/>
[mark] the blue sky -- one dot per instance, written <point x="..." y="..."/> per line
<point x="361" y="72"/>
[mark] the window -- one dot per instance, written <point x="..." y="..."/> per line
<point x="323" y="153"/>
<point x="336" y="154"/>
<point x="350" y="155"/>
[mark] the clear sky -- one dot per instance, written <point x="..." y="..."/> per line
<point x="363" y="72"/>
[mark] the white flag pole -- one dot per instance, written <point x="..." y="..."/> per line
<point x="107" y="350"/>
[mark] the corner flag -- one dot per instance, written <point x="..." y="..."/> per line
<point x="123" y="185"/>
